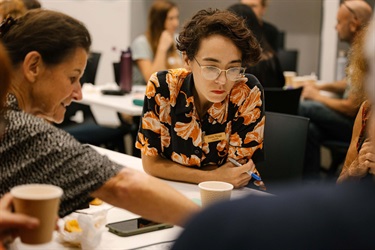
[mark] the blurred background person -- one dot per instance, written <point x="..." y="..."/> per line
<point x="48" y="52"/>
<point x="268" y="69"/>
<point x="14" y="8"/>
<point x="360" y="158"/>
<point x="270" y="31"/>
<point x="156" y="49"/>
<point x="32" y="4"/>
<point x="331" y="117"/>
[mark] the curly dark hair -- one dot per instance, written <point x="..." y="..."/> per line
<point x="210" y="22"/>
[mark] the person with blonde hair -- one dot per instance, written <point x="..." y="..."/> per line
<point x="156" y="49"/>
<point x="332" y="118"/>
<point x="360" y="158"/>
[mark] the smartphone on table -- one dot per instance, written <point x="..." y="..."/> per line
<point x="135" y="226"/>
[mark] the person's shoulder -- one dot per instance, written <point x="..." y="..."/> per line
<point x="253" y="81"/>
<point x="270" y="27"/>
<point x="141" y="48"/>
<point x="140" y="39"/>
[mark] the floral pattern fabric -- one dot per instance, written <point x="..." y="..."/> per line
<point x="170" y="125"/>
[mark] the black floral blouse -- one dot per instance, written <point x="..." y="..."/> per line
<point x="170" y="125"/>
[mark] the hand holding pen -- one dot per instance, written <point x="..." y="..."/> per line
<point x="252" y="174"/>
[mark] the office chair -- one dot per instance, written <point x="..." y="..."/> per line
<point x="89" y="131"/>
<point x="282" y="100"/>
<point x="288" y="59"/>
<point x="88" y="76"/>
<point x="284" y="147"/>
<point x="338" y="150"/>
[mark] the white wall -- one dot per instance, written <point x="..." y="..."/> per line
<point x="329" y="41"/>
<point x="109" y="23"/>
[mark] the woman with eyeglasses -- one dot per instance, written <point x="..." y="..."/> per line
<point x="194" y="119"/>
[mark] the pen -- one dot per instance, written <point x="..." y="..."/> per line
<point x="256" y="177"/>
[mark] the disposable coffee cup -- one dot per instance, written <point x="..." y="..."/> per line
<point x="289" y="77"/>
<point x="214" y="191"/>
<point x="42" y="202"/>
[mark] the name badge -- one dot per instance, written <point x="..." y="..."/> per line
<point x="214" y="137"/>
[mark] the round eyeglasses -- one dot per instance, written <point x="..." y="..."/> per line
<point x="212" y="73"/>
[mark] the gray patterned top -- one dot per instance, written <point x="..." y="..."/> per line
<point x="34" y="151"/>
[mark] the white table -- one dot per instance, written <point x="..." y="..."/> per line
<point x="91" y="95"/>
<point x="113" y="242"/>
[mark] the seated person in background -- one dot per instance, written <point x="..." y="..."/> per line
<point x="195" y="118"/>
<point x="322" y="216"/>
<point x="156" y="49"/>
<point x="270" y="32"/>
<point x="268" y="69"/>
<point x="360" y="158"/>
<point x="49" y="51"/>
<point x="333" y="118"/>
<point x="14" y="8"/>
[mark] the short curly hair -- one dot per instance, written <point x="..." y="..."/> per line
<point x="210" y="22"/>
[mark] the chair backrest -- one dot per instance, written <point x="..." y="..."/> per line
<point x="284" y="146"/>
<point x="91" y="68"/>
<point x="282" y="100"/>
<point x="88" y="77"/>
<point x="288" y="59"/>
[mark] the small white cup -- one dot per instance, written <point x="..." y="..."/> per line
<point x="42" y="202"/>
<point x="214" y="191"/>
<point x="289" y="77"/>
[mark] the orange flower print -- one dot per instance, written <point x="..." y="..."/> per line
<point x="165" y="137"/>
<point x="257" y="133"/>
<point x="151" y="85"/>
<point x="143" y="145"/>
<point x="218" y="111"/>
<point x="246" y="152"/>
<point x="222" y="148"/>
<point x="186" y="161"/>
<point x="174" y="79"/>
<point x="165" y="109"/>
<point x="240" y="93"/>
<point x="205" y="148"/>
<point x="189" y="130"/>
<point x="150" y="121"/>
<point x="248" y="110"/>
<point x="235" y="140"/>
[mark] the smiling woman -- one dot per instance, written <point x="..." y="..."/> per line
<point x="49" y="51"/>
<point x="195" y="118"/>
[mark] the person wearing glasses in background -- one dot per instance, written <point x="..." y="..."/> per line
<point x="333" y="118"/>
<point x="195" y="118"/>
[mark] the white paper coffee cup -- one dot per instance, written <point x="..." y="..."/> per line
<point x="214" y="191"/>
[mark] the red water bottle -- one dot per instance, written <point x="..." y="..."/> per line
<point x="126" y="71"/>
